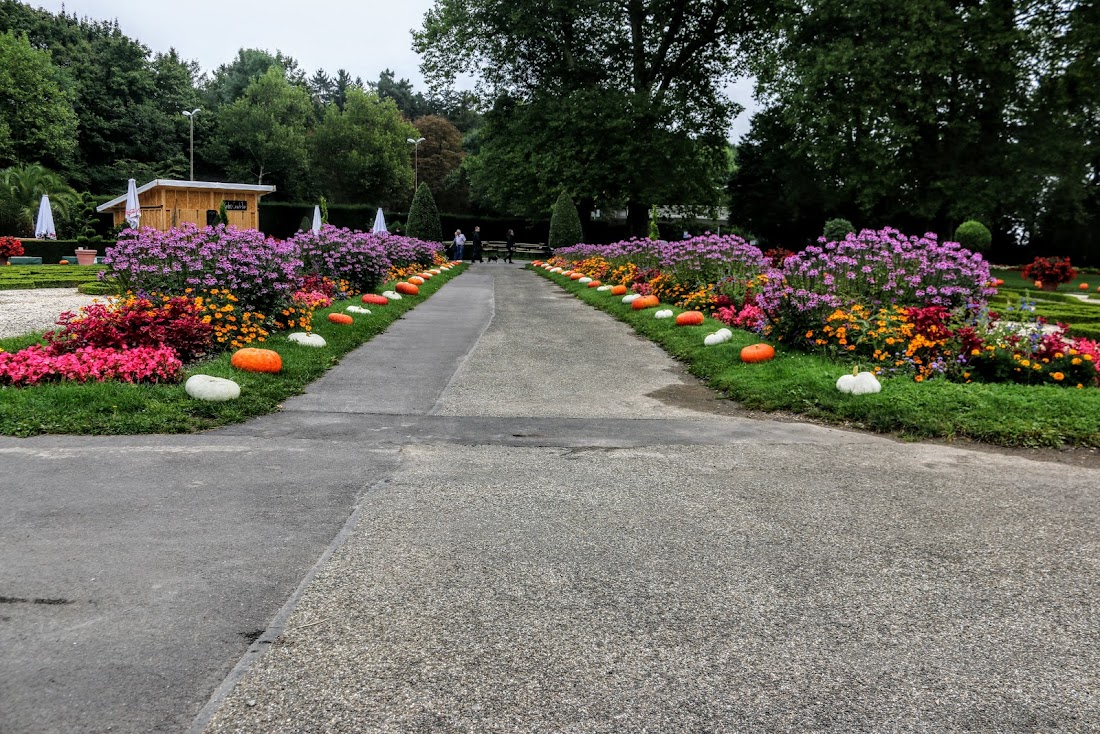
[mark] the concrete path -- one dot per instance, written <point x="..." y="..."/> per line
<point x="509" y="513"/>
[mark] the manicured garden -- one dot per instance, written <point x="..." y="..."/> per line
<point x="27" y="277"/>
<point x="197" y="300"/>
<point x="919" y="315"/>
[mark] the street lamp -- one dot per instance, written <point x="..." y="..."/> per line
<point x="191" y="116"/>
<point x="416" y="159"/>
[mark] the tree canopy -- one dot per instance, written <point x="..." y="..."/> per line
<point x="639" y="83"/>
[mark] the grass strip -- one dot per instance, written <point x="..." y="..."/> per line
<point x="805" y="384"/>
<point x="116" y="408"/>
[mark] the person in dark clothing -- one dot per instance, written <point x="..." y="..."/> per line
<point x="475" y="242"/>
<point x="509" y="246"/>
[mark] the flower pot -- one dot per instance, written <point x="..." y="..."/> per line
<point x="1049" y="287"/>
<point x="3" y="260"/>
<point x="85" y="257"/>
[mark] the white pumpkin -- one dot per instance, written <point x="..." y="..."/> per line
<point x="357" y="309"/>
<point x="713" y="339"/>
<point x="664" y="313"/>
<point x="864" y="383"/>
<point x="585" y="279"/>
<point x="726" y="334"/>
<point x="631" y="298"/>
<point x="307" y="340"/>
<point x="392" y="295"/>
<point x="555" y="270"/>
<point x="212" y="389"/>
<point x="604" y="288"/>
<point x="434" y="271"/>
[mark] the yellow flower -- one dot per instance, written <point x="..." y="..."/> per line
<point x="1025" y="362"/>
<point x="974" y="352"/>
<point x="1075" y="361"/>
<point x="1058" y="376"/>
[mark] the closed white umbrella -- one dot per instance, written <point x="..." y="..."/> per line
<point x="379" y="223"/>
<point x="133" y="208"/>
<point x="43" y="227"/>
<point x="316" y="219"/>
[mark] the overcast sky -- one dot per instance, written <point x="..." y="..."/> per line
<point x="362" y="36"/>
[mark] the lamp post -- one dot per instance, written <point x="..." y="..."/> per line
<point x="191" y="116"/>
<point x="416" y="160"/>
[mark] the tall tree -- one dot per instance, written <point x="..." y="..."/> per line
<point x="38" y="124"/>
<point x="411" y="103"/>
<point x="229" y="81"/>
<point x="660" y="65"/>
<point x="439" y="162"/>
<point x="261" y="137"/>
<point x="359" y="153"/>
<point x="899" y="125"/>
<point x="120" y="93"/>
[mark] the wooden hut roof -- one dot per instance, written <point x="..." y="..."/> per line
<point x="169" y="184"/>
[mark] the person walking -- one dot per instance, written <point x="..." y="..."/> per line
<point x="509" y="246"/>
<point x="459" y="244"/>
<point x="475" y="240"/>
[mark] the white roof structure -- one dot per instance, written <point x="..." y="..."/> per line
<point x="168" y="183"/>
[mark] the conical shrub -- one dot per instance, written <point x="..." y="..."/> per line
<point x="424" y="217"/>
<point x="565" y="223"/>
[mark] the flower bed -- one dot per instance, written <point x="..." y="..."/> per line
<point x="196" y="291"/>
<point x="907" y="305"/>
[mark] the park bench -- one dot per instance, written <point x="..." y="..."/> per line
<point x="499" y="247"/>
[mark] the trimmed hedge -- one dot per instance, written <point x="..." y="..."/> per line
<point x="27" y="277"/>
<point x="53" y="251"/>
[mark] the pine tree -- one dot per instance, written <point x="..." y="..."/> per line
<point x="424" y="217"/>
<point x="565" y="223"/>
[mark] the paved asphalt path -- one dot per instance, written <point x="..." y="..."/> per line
<point x="508" y="513"/>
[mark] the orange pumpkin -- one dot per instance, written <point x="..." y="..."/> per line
<point x="757" y="353"/>
<point x="63" y="262"/>
<point x="689" y="318"/>
<point x="576" y="276"/>
<point x="1084" y="286"/>
<point x="619" y="290"/>
<point x="645" y="302"/>
<point x="251" y="359"/>
<point x="340" y="318"/>
<point x="595" y="284"/>
<point x="406" y="289"/>
<point x="416" y="280"/>
<point x="375" y="299"/>
<point x="425" y="275"/>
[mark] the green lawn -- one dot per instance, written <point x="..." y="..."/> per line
<point x="796" y="382"/>
<point x="119" y="408"/>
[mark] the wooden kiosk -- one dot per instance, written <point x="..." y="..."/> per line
<point x="166" y="204"/>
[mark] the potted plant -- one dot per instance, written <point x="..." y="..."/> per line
<point x="9" y="247"/>
<point x="85" y="256"/>
<point x="1049" y="272"/>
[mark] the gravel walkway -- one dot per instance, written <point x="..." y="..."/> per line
<point x="24" y="311"/>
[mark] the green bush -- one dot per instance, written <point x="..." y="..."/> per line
<point x="654" y="230"/>
<point x="424" y="217"/>
<point x="837" y="229"/>
<point x="565" y="223"/>
<point x="974" y="236"/>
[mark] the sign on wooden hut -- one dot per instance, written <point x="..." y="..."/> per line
<point x="166" y="204"/>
